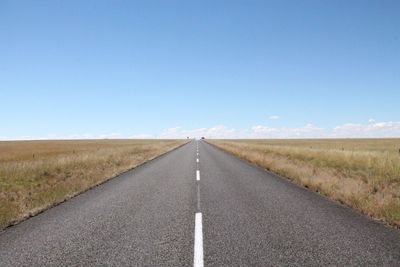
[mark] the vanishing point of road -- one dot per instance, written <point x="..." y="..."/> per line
<point x="199" y="206"/>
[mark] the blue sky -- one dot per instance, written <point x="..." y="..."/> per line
<point x="94" y="69"/>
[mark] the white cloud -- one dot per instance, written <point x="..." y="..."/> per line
<point x="260" y="129"/>
<point x="274" y="117"/>
<point x="347" y="130"/>
<point x="372" y="129"/>
<point x="111" y="136"/>
<point x="86" y="136"/>
<point x="219" y="131"/>
<point x="307" y="131"/>
<point x="142" y="136"/>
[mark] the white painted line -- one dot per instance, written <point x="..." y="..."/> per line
<point x="197" y="153"/>
<point x="198" y="241"/>
<point x="198" y="197"/>
<point x="197" y="160"/>
<point x="198" y="175"/>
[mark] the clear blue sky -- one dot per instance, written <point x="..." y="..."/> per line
<point x="71" y="68"/>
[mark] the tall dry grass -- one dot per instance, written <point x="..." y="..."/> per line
<point x="362" y="173"/>
<point x="35" y="175"/>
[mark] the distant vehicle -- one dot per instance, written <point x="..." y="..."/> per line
<point x="203" y="137"/>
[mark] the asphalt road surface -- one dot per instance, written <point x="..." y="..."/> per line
<point x="190" y="208"/>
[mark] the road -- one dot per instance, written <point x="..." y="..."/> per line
<point x="199" y="206"/>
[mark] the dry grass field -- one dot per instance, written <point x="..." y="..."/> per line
<point x="362" y="173"/>
<point x="35" y="175"/>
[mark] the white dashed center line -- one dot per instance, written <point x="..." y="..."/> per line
<point x="198" y="199"/>
<point x="198" y="260"/>
<point x="198" y="241"/>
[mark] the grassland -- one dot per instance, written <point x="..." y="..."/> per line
<point x="35" y="175"/>
<point x="362" y="173"/>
